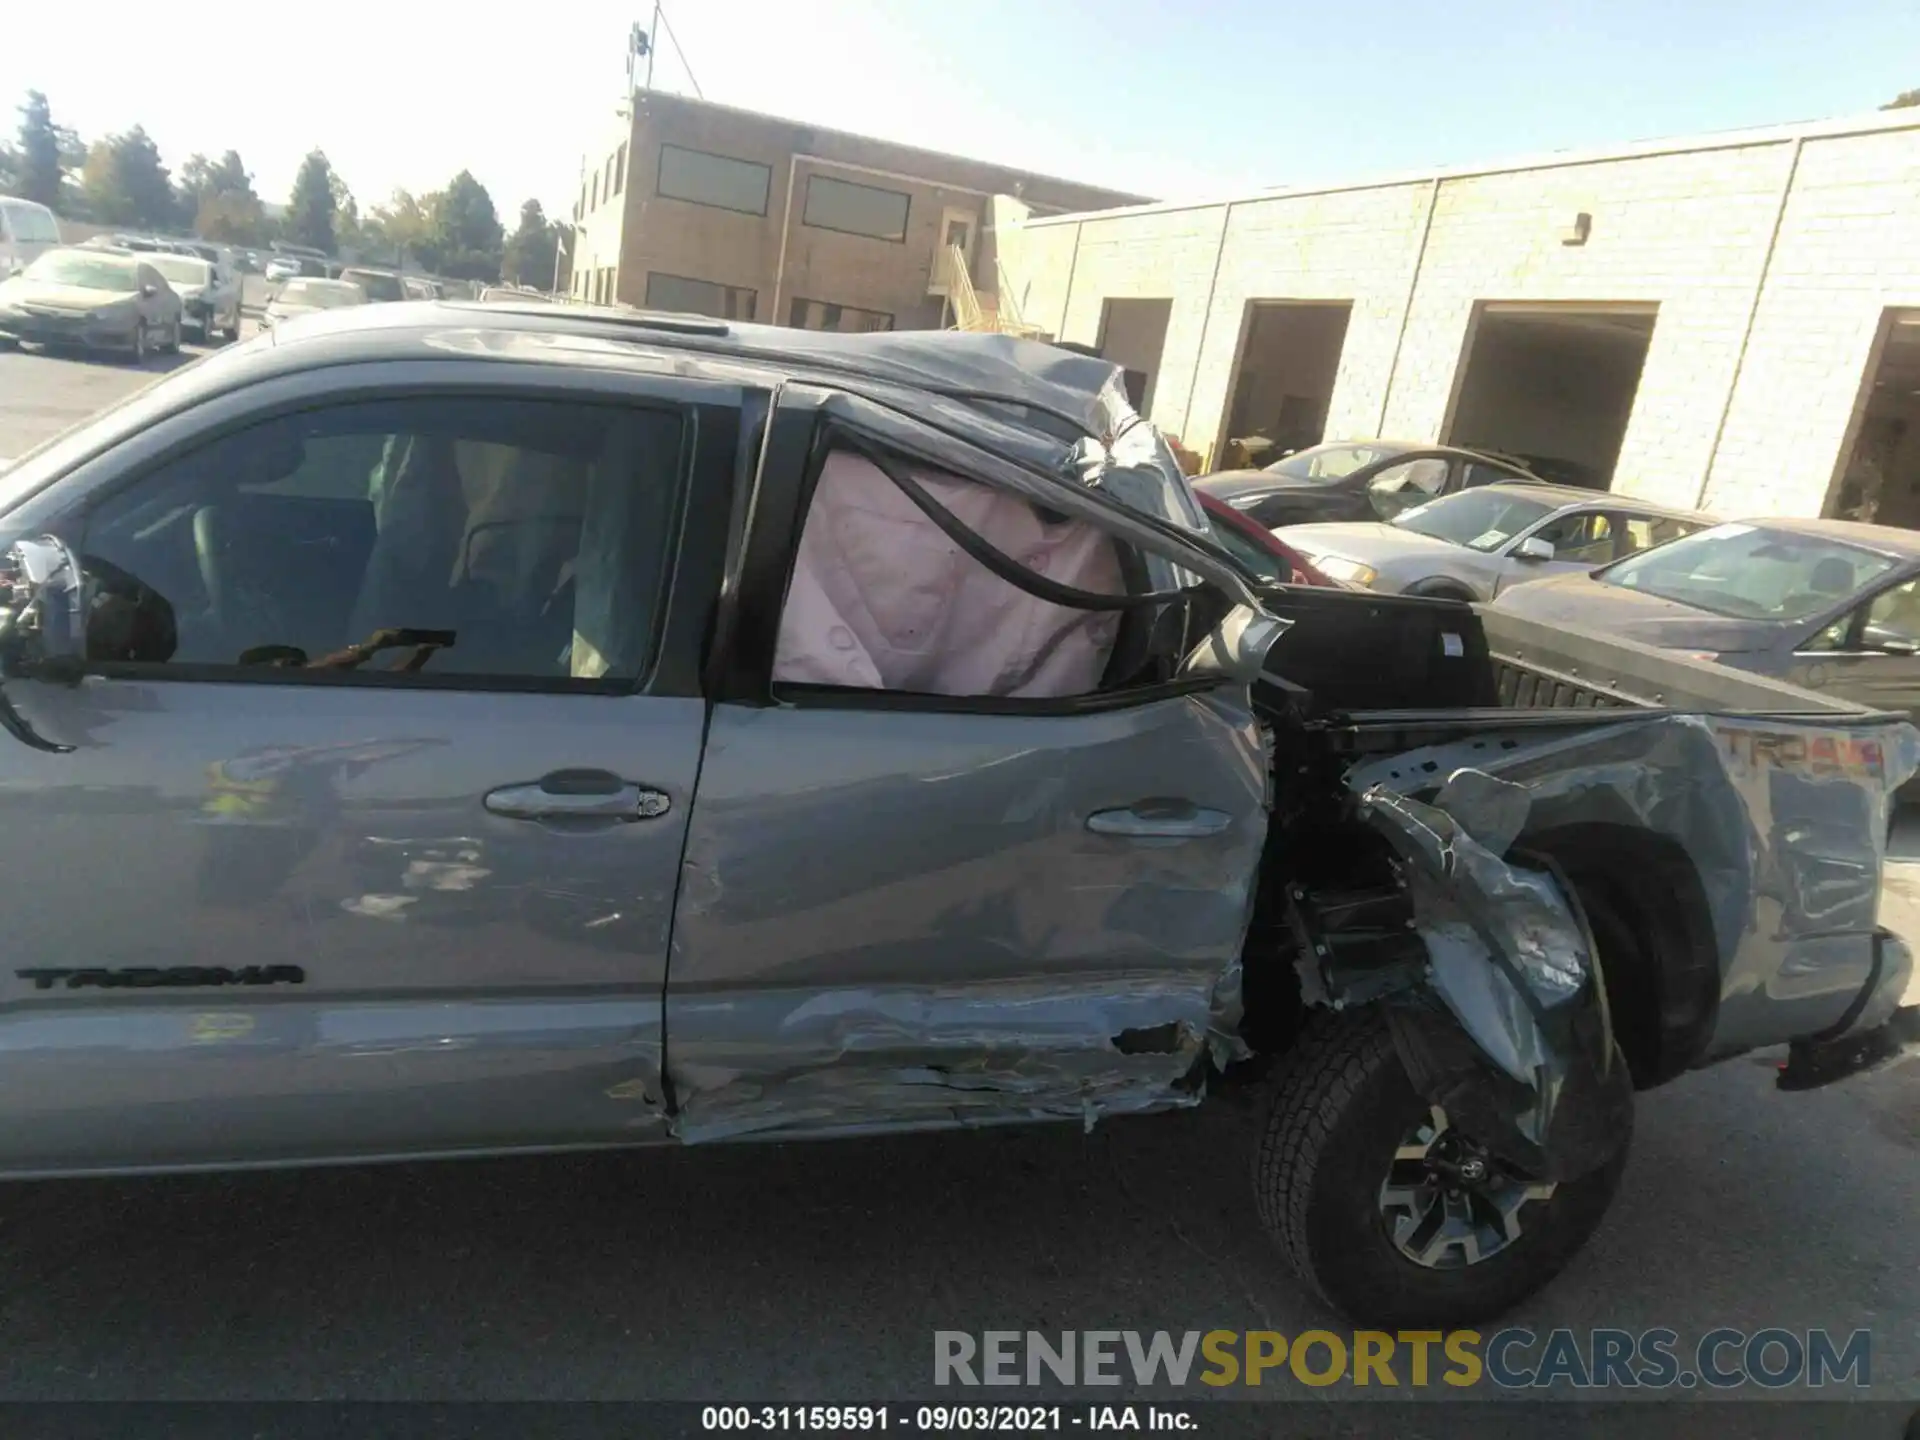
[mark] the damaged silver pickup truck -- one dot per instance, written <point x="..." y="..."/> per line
<point x="443" y="730"/>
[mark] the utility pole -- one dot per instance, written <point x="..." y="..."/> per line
<point x="559" y="249"/>
<point x="649" y="43"/>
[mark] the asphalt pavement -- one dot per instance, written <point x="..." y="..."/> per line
<point x="819" y="1272"/>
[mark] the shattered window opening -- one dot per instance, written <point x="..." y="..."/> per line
<point x="901" y="583"/>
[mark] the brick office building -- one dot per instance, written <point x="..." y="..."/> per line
<point x="1730" y="320"/>
<point x="700" y="207"/>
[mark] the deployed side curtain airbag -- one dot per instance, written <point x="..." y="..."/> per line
<point x="883" y="598"/>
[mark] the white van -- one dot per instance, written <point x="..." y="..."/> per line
<point x="25" y="230"/>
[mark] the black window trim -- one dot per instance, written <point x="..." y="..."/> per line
<point x="906" y="216"/>
<point x="659" y="180"/>
<point x="690" y="578"/>
<point x="1856" y="617"/>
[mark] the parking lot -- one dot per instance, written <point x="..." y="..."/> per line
<point x="819" y="1272"/>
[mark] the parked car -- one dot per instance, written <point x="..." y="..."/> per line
<point x="27" y="230"/>
<point x="1473" y="544"/>
<point x="418" y="287"/>
<point x="209" y="300"/>
<point x="1354" y="480"/>
<point x="1258" y="549"/>
<point x="1831" y="605"/>
<point x="512" y="295"/>
<point x="303" y="295"/>
<point x="381" y="285"/>
<point x="888" y="684"/>
<point x="286" y="267"/>
<point x="93" y="299"/>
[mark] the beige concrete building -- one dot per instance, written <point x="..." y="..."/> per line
<point x="704" y="208"/>
<point x="1730" y="320"/>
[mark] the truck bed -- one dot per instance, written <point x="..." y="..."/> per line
<point x="1417" y="668"/>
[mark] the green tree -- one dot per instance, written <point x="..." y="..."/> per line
<point x="467" y="238"/>
<point x="227" y="209"/>
<point x="126" y="184"/>
<point x="310" y="211"/>
<point x="530" y="252"/>
<point x="404" y="225"/>
<point x="46" y="152"/>
<point x="1903" y="100"/>
<point x="194" y="188"/>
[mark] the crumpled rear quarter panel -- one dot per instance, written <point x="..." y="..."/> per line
<point x="1784" y="821"/>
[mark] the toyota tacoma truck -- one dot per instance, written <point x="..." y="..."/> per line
<point x="441" y="729"/>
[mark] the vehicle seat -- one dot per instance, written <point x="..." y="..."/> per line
<point x="1831" y="577"/>
<point x="420" y="512"/>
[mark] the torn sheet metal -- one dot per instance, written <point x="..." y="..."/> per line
<point x="908" y="1057"/>
<point x="1512" y="961"/>
<point x="1785" y="823"/>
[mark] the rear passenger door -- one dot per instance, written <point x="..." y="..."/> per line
<point x="379" y="856"/>
<point x="919" y="892"/>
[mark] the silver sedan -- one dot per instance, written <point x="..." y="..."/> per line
<point x="1474" y="544"/>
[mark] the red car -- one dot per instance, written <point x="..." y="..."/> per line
<point x="1259" y="549"/>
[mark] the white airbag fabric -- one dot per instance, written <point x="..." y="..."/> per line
<point x="881" y="599"/>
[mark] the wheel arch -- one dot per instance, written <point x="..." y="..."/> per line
<point x="1439" y="587"/>
<point x="1653" y="927"/>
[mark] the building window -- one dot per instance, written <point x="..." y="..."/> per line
<point x="620" y="168"/>
<point x="716" y="180"/>
<point x="824" y="315"/>
<point x="700" y="297"/>
<point x="593" y="192"/>
<point x="855" y="209"/>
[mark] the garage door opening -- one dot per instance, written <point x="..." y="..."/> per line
<point x="1132" y="335"/>
<point x="1283" y="379"/>
<point x="1552" y="386"/>
<point x="1880" y="481"/>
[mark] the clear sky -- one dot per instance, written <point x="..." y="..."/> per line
<point x="1162" y="97"/>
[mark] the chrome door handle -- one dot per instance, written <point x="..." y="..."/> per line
<point x="578" y="795"/>
<point x="1160" y="820"/>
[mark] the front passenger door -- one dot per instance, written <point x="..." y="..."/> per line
<point x="1872" y="655"/>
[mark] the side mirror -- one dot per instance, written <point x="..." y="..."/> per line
<point x="1894" y="645"/>
<point x="147" y="292"/>
<point x="42" y="629"/>
<point x="1534" y="549"/>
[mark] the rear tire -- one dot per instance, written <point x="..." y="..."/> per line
<point x="1342" y="1105"/>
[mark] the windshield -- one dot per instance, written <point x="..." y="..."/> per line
<point x="1330" y="462"/>
<point x="320" y="294"/>
<point x="1478" y="519"/>
<point x="89" y="272"/>
<point x="377" y="285"/>
<point x="181" y="270"/>
<point x="1751" y="571"/>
